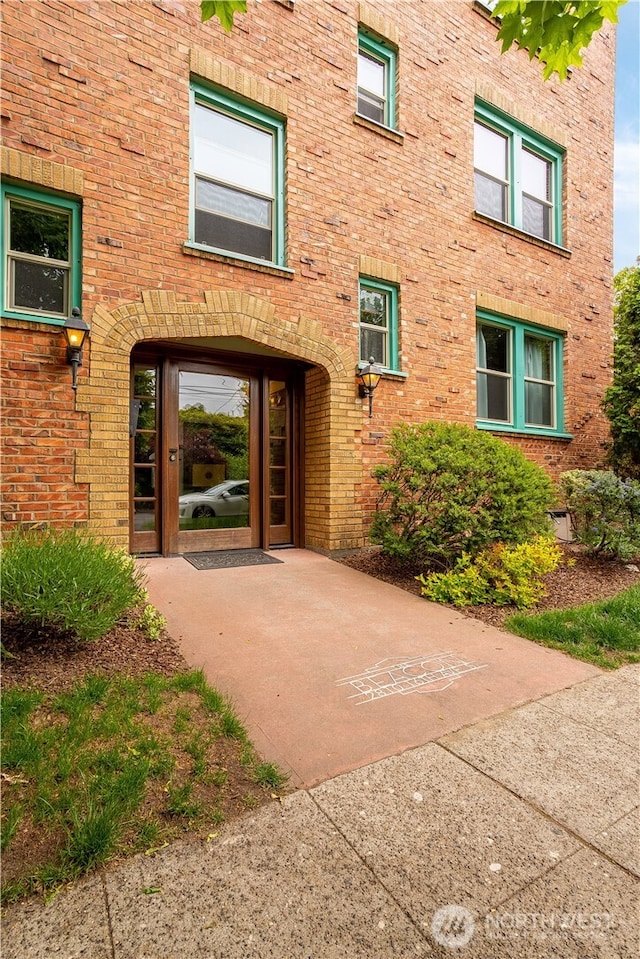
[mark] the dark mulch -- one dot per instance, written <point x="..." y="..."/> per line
<point x="579" y="579"/>
<point x="53" y="661"/>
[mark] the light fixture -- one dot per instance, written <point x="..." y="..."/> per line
<point x="369" y="377"/>
<point x="75" y="331"/>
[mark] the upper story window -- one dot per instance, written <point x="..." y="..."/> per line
<point x="518" y="376"/>
<point x="41" y="254"/>
<point x="238" y="173"/>
<point x="518" y="175"/>
<point x="376" y="81"/>
<point x="379" y="323"/>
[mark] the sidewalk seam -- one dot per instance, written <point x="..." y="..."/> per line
<point x="542" y="812"/>
<point x="421" y="932"/>
<point x="107" y="907"/>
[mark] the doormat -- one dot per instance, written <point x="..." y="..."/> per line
<point x="227" y="558"/>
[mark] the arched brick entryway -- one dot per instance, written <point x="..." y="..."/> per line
<point x="333" y="414"/>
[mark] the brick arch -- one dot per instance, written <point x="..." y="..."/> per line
<point x="333" y="414"/>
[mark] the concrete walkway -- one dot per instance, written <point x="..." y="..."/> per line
<point x="516" y="836"/>
<point x="330" y="669"/>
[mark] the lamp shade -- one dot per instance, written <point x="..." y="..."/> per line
<point x="75" y="330"/>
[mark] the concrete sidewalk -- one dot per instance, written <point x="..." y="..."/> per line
<point x="515" y="837"/>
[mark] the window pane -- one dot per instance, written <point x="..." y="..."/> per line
<point x="38" y="287"/>
<point x="234" y="236"/>
<point x="538" y="404"/>
<point x="145" y="448"/>
<point x="373" y="307"/>
<point x="371" y="107"/>
<point x="538" y="358"/>
<point x="493" y="348"/>
<point x="490" y="152"/>
<point x="39" y="232"/>
<point x="490" y="197"/>
<point x="373" y="343"/>
<point x="241" y="206"/>
<point x="371" y="75"/>
<point x="493" y="397"/>
<point x="536" y="218"/>
<point x="536" y="176"/>
<point x="229" y="150"/>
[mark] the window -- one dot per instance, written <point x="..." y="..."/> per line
<point x="518" y="376"/>
<point x="41" y="254"/>
<point x="518" y="175"/>
<point x="238" y="174"/>
<point x="379" y="323"/>
<point x="376" y="81"/>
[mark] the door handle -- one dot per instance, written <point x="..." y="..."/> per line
<point x="173" y="455"/>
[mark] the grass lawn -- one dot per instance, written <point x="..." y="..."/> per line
<point x="606" y="633"/>
<point x="117" y="765"/>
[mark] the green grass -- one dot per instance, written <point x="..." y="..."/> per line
<point x="605" y="633"/>
<point x="113" y="766"/>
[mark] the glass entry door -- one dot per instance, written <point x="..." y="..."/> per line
<point x="213" y="461"/>
<point x="214" y="456"/>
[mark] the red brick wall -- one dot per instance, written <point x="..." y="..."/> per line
<point x="104" y="87"/>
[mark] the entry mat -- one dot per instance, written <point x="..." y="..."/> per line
<point x="227" y="558"/>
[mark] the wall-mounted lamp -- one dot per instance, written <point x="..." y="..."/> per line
<point x="75" y="331"/>
<point x="369" y="377"/>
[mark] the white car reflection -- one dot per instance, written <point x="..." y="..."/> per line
<point x="230" y="498"/>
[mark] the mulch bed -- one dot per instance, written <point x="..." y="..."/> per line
<point x="579" y="579"/>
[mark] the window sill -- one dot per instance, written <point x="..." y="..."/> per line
<point x="387" y="373"/>
<point x="235" y="259"/>
<point x="529" y="433"/>
<point x="514" y="231"/>
<point x="378" y="128"/>
<point x="45" y="321"/>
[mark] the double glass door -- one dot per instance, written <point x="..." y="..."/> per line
<point x="212" y="456"/>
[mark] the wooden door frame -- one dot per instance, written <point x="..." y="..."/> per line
<point x="168" y="358"/>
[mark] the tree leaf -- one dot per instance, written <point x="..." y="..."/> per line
<point x="223" y="10"/>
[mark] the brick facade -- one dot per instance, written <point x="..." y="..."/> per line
<point x="96" y="106"/>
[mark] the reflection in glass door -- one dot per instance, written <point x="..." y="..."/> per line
<point x="144" y="432"/>
<point x="279" y="463"/>
<point x="213" y="459"/>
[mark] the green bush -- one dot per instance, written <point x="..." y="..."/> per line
<point x="604" y="511"/>
<point x="68" y="581"/>
<point x="501" y="575"/>
<point x="450" y="489"/>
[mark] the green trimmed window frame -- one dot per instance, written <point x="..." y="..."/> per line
<point x="378" y="323"/>
<point x="519" y="376"/>
<point x="377" y="65"/>
<point x="237" y="201"/>
<point x="521" y="186"/>
<point x="41" y="255"/>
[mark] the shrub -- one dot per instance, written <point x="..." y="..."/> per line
<point x="604" y="511"/>
<point x="450" y="489"/>
<point x="501" y="575"/>
<point x="68" y="581"/>
<point x="622" y="399"/>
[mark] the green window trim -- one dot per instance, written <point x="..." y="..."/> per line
<point x="39" y="199"/>
<point x="521" y="139"/>
<point x="263" y="120"/>
<point x="384" y="55"/>
<point x="390" y="362"/>
<point x="517" y="377"/>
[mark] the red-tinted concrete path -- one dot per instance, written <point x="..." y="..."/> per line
<point x="279" y="639"/>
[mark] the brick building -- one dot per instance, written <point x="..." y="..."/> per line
<point x="244" y="220"/>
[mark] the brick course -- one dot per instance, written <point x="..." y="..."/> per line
<point x="96" y="105"/>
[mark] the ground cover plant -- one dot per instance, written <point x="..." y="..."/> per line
<point x="606" y="633"/>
